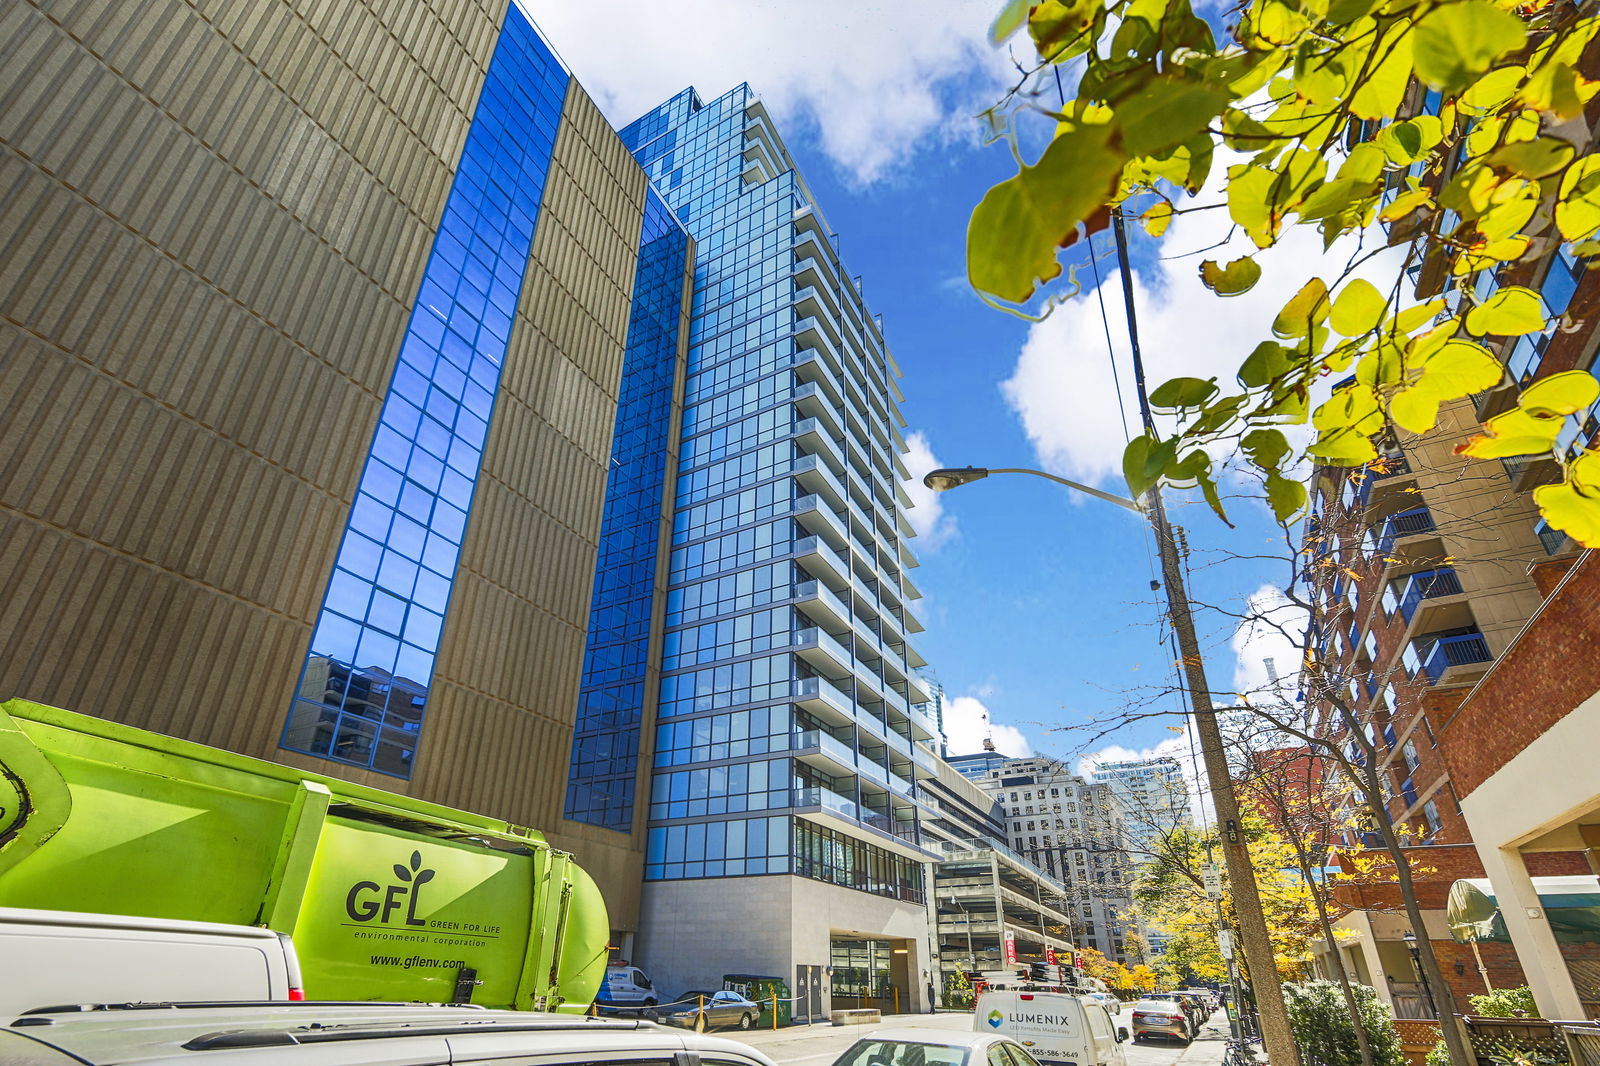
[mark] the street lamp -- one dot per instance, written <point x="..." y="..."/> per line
<point x="1416" y="964"/>
<point x="1251" y="919"/>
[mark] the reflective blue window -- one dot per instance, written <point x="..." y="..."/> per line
<point x="363" y="693"/>
<point x="605" y="747"/>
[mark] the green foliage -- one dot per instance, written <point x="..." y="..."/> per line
<point x="1505" y="1003"/>
<point x="1318" y="99"/>
<point x="1326" y="1033"/>
<point x="957" y="990"/>
<point x="1438" y="1055"/>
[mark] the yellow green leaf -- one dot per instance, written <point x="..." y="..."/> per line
<point x="1344" y="447"/>
<point x="1493" y="89"/>
<point x="1515" y="432"/>
<point x="1385" y="86"/>
<point x="1055" y="25"/>
<point x="1181" y="393"/>
<point x="1456" y="44"/>
<point x="1510" y="312"/>
<point x="1458" y="369"/>
<point x="1354" y="406"/>
<point x="1578" y="206"/>
<point x="1357" y="308"/>
<point x="1266" y="448"/>
<point x="1250" y="202"/>
<point x="1384" y="365"/>
<point x="1574" y="513"/>
<point x="1165" y="111"/>
<point x="1583" y="473"/>
<point x="1405" y="203"/>
<point x="1237" y="277"/>
<point x="1010" y="20"/>
<point x="1264" y="365"/>
<point x="1286" y="496"/>
<point x="1537" y="158"/>
<point x="1157" y="218"/>
<point x="1561" y="394"/>
<point x="1305" y="310"/>
<point x="1016" y="229"/>
<point x="1415" y="410"/>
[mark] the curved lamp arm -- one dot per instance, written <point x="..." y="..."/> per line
<point x="947" y="478"/>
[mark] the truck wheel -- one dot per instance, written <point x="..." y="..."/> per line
<point x="700" y="1022"/>
<point x="747" y="1021"/>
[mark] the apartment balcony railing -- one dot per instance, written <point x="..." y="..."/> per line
<point x="826" y="744"/>
<point x="827" y="799"/>
<point x="1427" y="585"/>
<point x="1550" y="538"/>
<point x="1405" y="524"/>
<point x="1388" y="464"/>
<point x="1460" y="650"/>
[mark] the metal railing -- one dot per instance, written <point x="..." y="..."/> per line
<point x="1583" y="1042"/>
<point x="1427" y="585"/>
<point x="1405" y="524"/>
<point x="1461" y="650"/>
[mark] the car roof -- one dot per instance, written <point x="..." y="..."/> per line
<point x="76" y="919"/>
<point x="941" y="1037"/>
<point x="117" y="1034"/>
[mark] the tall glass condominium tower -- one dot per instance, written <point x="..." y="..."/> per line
<point x="791" y="731"/>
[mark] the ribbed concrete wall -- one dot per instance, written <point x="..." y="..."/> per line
<point x="213" y="220"/>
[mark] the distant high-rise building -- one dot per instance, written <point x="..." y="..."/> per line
<point x="1153" y="797"/>
<point x="791" y="732"/>
<point x="1073" y="831"/>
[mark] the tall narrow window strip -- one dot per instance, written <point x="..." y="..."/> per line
<point x="605" y="749"/>
<point x="363" y="693"/>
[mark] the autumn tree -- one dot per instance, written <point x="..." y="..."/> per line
<point x="1449" y="129"/>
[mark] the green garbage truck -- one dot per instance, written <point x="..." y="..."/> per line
<point x="385" y="897"/>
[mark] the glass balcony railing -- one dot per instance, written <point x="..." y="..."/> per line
<point x="1427" y="585"/>
<point x="1550" y="538"/>
<point x="827" y="743"/>
<point x="1463" y="649"/>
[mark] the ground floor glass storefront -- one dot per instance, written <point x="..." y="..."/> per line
<point x="869" y="973"/>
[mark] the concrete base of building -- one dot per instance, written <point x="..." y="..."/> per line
<point x="691" y="933"/>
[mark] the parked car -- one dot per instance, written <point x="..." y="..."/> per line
<point x="364" y="1034"/>
<point x="1186" y="1004"/>
<point x="702" y="1010"/>
<point x="1111" y="1003"/>
<point x="1055" y="1027"/>
<point x="1198" y="1006"/>
<point x="934" y="1047"/>
<point x="1153" y="1016"/>
<point x="60" y="957"/>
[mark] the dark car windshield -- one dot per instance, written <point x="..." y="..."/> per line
<point x="901" y="1053"/>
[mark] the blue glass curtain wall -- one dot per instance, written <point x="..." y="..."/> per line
<point x="363" y="693"/>
<point x="605" y="748"/>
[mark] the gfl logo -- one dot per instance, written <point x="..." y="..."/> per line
<point x="363" y="907"/>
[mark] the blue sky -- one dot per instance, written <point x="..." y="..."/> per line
<point x="1038" y="605"/>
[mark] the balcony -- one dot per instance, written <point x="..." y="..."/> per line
<point x="826" y="655"/>
<point x="819" y="602"/>
<point x="820" y="560"/>
<point x="924" y="762"/>
<point x="813" y="474"/>
<point x="823" y="699"/>
<point x="1412" y="523"/>
<point x="1427" y="585"/>
<point x="1446" y="653"/>
<point x="828" y="808"/>
<point x="1551" y="539"/>
<point x="823" y="750"/>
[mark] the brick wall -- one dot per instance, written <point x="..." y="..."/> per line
<point x="1552" y="667"/>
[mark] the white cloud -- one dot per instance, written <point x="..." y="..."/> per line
<point x="875" y="82"/>
<point x="1062" y="388"/>
<point x="1183" y="746"/>
<point x="927" y="516"/>
<point x="967" y="723"/>
<point x="1269" y="631"/>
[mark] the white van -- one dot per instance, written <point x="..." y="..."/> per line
<point x="627" y="986"/>
<point x="56" y="958"/>
<point x="1055" y="1027"/>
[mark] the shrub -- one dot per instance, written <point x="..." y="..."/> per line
<point x="1325" y="1033"/>
<point x="1505" y="1003"/>
<point x="1438" y="1055"/>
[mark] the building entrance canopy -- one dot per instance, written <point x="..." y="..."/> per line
<point x="1571" y="905"/>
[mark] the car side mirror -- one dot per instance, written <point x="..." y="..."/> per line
<point x="1122" y="1033"/>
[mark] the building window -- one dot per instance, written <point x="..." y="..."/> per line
<point x="363" y="690"/>
<point x="825" y="855"/>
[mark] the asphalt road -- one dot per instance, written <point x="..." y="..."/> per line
<point x="819" y="1045"/>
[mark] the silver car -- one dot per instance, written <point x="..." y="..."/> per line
<point x="364" y="1034"/>
<point x="1160" y="1017"/>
